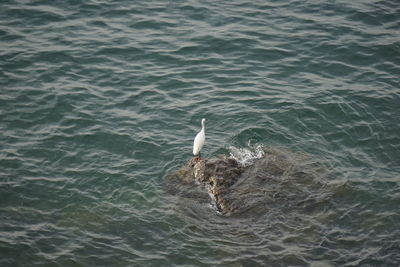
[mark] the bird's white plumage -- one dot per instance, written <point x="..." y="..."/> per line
<point x="199" y="139"/>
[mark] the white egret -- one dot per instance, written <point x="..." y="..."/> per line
<point x="199" y="139"/>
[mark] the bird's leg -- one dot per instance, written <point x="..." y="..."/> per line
<point x="198" y="157"/>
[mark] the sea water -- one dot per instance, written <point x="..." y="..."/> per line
<point x="100" y="100"/>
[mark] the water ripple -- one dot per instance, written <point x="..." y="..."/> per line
<point x="101" y="100"/>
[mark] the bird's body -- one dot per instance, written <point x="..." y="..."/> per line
<point x="200" y="139"/>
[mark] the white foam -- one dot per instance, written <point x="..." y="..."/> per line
<point x="246" y="156"/>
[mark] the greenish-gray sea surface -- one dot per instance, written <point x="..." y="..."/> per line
<point x="100" y="100"/>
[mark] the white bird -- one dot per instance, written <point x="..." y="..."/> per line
<point x="199" y="139"/>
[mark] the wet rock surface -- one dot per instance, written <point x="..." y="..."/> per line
<point x="278" y="179"/>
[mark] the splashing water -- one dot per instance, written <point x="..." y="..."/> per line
<point x="246" y="156"/>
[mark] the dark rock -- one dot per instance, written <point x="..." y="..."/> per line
<point x="278" y="179"/>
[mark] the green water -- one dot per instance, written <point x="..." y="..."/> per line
<point x="100" y="100"/>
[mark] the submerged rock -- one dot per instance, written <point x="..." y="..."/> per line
<point x="278" y="178"/>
